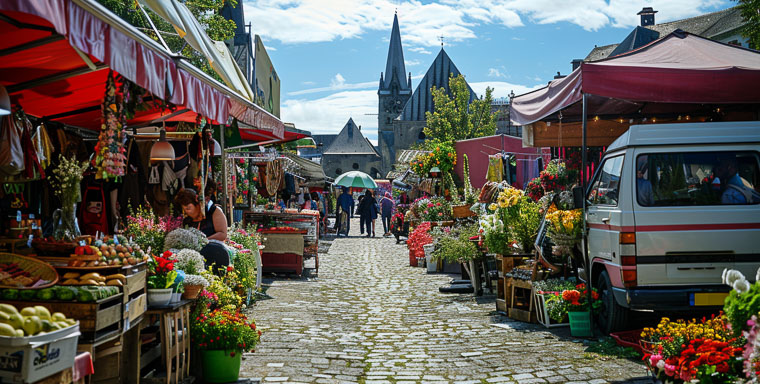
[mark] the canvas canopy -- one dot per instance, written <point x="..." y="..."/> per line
<point x="57" y="53"/>
<point x="679" y="74"/>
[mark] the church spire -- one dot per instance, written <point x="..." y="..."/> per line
<point x="394" y="67"/>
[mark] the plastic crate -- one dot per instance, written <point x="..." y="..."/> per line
<point x="542" y="313"/>
<point x="32" y="358"/>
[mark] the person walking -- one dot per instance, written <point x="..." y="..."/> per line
<point x="365" y="212"/>
<point x="374" y="211"/>
<point x="346" y="204"/>
<point x="361" y="214"/>
<point x="386" y="205"/>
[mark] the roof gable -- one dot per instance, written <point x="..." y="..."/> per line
<point x="350" y="141"/>
<point x="639" y="37"/>
<point x="436" y="76"/>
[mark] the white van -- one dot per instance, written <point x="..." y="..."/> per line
<point x="669" y="207"/>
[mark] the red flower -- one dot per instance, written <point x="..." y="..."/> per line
<point x="167" y="254"/>
<point x="230" y="268"/>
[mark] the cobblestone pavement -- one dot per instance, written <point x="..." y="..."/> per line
<point x="371" y="318"/>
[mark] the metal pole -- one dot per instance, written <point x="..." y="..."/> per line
<point x="584" y="176"/>
<point x="224" y="173"/>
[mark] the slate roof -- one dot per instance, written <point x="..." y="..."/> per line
<point x="326" y="140"/>
<point x="707" y="25"/>
<point x="438" y="76"/>
<point x="599" y="53"/>
<point x="395" y="66"/>
<point x="639" y="37"/>
<point x="350" y="141"/>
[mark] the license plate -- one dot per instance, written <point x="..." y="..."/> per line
<point x="708" y="299"/>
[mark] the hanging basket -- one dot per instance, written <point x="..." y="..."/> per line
<point x="564" y="240"/>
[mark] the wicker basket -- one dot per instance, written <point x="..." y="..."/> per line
<point x="35" y="267"/>
<point x="462" y="211"/>
<point x="44" y="247"/>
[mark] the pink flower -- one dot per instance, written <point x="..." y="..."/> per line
<point x="654" y="359"/>
<point x="670" y="369"/>
<point x="430" y="205"/>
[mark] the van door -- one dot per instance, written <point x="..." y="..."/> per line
<point x="700" y="216"/>
<point x="603" y="213"/>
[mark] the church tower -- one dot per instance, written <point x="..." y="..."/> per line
<point x="394" y="91"/>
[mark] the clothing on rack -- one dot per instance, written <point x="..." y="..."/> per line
<point x="495" y="168"/>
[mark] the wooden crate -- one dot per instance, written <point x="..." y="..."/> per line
<point x="106" y="359"/>
<point x="134" y="309"/>
<point x="92" y="316"/>
<point x="520" y="305"/>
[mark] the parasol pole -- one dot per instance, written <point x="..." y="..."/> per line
<point x="584" y="177"/>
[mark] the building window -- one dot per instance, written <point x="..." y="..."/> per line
<point x="375" y="173"/>
<point x="421" y="136"/>
<point x="355" y="166"/>
<point x="387" y="120"/>
<point x="338" y="171"/>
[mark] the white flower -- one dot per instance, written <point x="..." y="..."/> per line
<point x="190" y="261"/>
<point x="741" y="286"/>
<point x="732" y="275"/>
<point x="661" y="364"/>
<point x="196" y="280"/>
<point x="757" y="275"/>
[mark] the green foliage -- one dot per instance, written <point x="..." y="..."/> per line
<point x="455" y="118"/>
<point x="455" y="246"/>
<point x="739" y="307"/>
<point x="207" y="12"/>
<point x="525" y="228"/>
<point x="448" y="183"/>
<point x="246" y="244"/>
<point x="469" y="194"/>
<point x="441" y="155"/>
<point x="750" y="10"/>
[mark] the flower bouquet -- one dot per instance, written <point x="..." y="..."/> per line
<point x="417" y="239"/>
<point x="66" y="187"/>
<point x="185" y="238"/>
<point x="192" y="263"/>
<point x="149" y="231"/>
<point x="436" y="209"/>
<point x="564" y="228"/>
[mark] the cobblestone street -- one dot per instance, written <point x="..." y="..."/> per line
<point x="371" y="318"/>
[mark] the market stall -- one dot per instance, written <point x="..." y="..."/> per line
<point x="101" y="116"/>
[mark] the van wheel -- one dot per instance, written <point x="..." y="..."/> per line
<point x="612" y="317"/>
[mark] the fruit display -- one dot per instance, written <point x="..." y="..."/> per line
<point x="30" y="321"/>
<point x="279" y="229"/>
<point x="83" y="294"/>
<point x="109" y="252"/>
<point x="93" y="278"/>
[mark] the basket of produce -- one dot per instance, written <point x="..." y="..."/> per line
<point x="53" y="247"/>
<point x="21" y="272"/>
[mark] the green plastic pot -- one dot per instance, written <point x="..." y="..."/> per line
<point x="220" y="366"/>
<point x="580" y="324"/>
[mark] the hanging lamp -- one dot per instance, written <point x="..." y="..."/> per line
<point x="162" y="149"/>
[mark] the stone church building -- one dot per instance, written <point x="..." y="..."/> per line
<point x="401" y="111"/>
<point x="400" y="116"/>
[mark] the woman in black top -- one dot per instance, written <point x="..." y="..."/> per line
<point x="213" y="225"/>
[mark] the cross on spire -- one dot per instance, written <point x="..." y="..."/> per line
<point x="441" y="38"/>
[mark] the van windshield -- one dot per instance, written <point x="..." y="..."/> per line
<point x="698" y="178"/>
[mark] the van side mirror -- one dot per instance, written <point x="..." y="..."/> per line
<point x="578" y="197"/>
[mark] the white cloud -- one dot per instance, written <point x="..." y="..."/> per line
<point x="330" y="113"/>
<point x="410" y="63"/>
<point x="420" y="50"/>
<point x="270" y="49"/>
<point x="305" y="21"/>
<point x="308" y="83"/>
<point x="493" y="72"/>
<point x="502" y="88"/>
<point x="337" y="83"/>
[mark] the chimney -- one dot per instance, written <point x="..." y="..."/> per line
<point x="576" y="63"/>
<point x="647" y="16"/>
<point x="558" y="76"/>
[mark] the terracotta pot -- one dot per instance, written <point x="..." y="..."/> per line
<point x="192" y="292"/>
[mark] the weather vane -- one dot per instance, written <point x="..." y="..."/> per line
<point x="441" y="38"/>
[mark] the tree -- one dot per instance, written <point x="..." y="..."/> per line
<point x="750" y="10"/>
<point x="455" y="118"/>
<point x="207" y="12"/>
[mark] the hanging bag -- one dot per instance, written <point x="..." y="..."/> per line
<point x="92" y="212"/>
<point x="11" y="152"/>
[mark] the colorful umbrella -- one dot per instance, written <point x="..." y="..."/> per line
<point x="356" y="179"/>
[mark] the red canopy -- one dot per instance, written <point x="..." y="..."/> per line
<point x="678" y="69"/>
<point x="55" y="59"/>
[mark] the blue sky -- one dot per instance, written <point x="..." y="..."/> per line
<point x="329" y="54"/>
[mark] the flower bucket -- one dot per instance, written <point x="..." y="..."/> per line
<point x="221" y="366"/>
<point x="191" y="292"/>
<point x="432" y="266"/>
<point x="159" y="297"/>
<point x="542" y="312"/>
<point x="580" y="324"/>
<point x="412" y="258"/>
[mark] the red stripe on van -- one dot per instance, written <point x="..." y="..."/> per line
<point x="676" y="227"/>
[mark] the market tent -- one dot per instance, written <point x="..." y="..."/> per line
<point x="678" y="75"/>
<point x="56" y="56"/>
<point x="309" y="170"/>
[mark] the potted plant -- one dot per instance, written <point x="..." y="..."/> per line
<point x="223" y="336"/>
<point x="192" y="263"/>
<point x="574" y="303"/>
<point x="160" y="279"/>
<point x="469" y="196"/>
<point x="419" y="237"/>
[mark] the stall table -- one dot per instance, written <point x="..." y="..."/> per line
<point x="278" y="257"/>
<point x="175" y="338"/>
